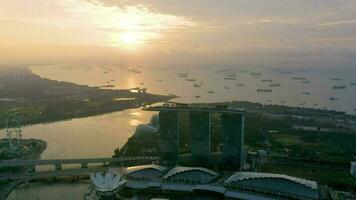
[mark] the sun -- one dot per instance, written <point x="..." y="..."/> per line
<point x="131" y="39"/>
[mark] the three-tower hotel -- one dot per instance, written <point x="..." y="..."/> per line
<point x="231" y="124"/>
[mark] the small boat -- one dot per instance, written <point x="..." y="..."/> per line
<point x="190" y="79"/>
<point x="256" y="74"/>
<point x="275" y="85"/>
<point x="183" y="74"/>
<point x="107" y="86"/>
<point x="240" y="85"/>
<point x="336" y="87"/>
<point x="299" y="78"/>
<point x="267" y="80"/>
<point x="286" y="72"/>
<point x="336" y="79"/>
<point x="264" y="90"/>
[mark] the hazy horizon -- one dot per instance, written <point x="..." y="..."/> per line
<point x="175" y="33"/>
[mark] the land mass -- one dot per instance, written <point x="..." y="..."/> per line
<point x="309" y="143"/>
<point x="34" y="99"/>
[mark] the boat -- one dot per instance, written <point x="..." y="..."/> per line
<point x="336" y="79"/>
<point x="256" y="74"/>
<point x="286" y="72"/>
<point x="190" y="79"/>
<point x="183" y="74"/>
<point x="230" y="78"/>
<point x="226" y="87"/>
<point x="267" y="80"/>
<point x="354" y="84"/>
<point x="240" y="85"/>
<point x="333" y="98"/>
<point x="197" y="96"/>
<point x="107" y="86"/>
<point x="264" y="90"/>
<point x="299" y="78"/>
<point x="197" y="85"/>
<point x="275" y="85"/>
<point x="336" y="87"/>
<point x="306" y="93"/>
<point x="210" y="92"/>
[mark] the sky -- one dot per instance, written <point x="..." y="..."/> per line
<point x="178" y="32"/>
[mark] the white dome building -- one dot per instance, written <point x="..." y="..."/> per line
<point x="143" y="130"/>
<point x="107" y="184"/>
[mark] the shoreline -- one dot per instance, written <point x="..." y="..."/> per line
<point x="37" y="100"/>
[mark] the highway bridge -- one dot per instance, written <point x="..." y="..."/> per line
<point x="58" y="171"/>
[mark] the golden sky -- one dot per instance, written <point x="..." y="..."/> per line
<point x="176" y="31"/>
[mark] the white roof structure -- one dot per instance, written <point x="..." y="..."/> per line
<point x="179" y="169"/>
<point x="143" y="167"/>
<point x="240" y="176"/>
<point x="106" y="182"/>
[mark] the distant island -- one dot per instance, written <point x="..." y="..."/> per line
<point x="38" y="100"/>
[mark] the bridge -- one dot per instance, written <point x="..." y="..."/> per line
<point x="31" y="174"/>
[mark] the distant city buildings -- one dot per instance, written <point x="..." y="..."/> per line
<point x="231" y="123"/>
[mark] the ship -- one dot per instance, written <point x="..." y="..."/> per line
<point x="275" y="85"/>
<point x="298" y="78"/>
<point x="336" y="87"/>
<point x="264" y="90"/>
<point x="336" y="79"/>
<point x="267" y="80"/>
<point x="197" y="85"/>
<point x="240" y="85"/>
<point x="183" y="74"/>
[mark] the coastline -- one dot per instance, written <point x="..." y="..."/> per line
<point x="37" y="100"/>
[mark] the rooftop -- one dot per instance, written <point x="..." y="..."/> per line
<point x="179" y="169"/>
<point x="256" y="175"/>
<point x="188" y="108"/>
